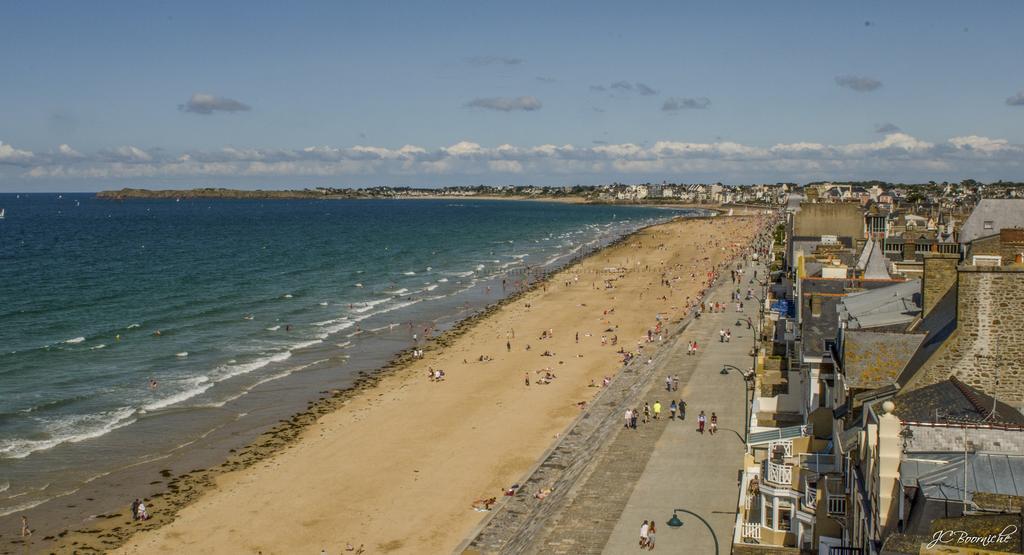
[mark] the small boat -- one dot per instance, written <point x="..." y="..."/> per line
<point x="2" y="213"/>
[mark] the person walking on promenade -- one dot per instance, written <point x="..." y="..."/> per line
<point x="668" y="383"/>
<point x="629" y="416"/>
<point x="701" y="419"/>
<point x="682" y="409"/>
<point x="675" y="382"/>
<point x="650" y="537"/>
<point x="714" y="423"/>
<point x="721" y="336"/>
<point x="644" y="532"/>
<point x="636" y="414"/>
<point x="647" y="412"/>
<point x="672" y="410"/>
<point x="657" y="409"/>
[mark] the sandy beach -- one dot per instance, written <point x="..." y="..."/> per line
<point x="397" y="467"/>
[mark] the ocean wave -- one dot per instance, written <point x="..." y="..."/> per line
<point x="231" y="370"/>
<point x="68" y="429"/>
<point x="368" y="305"/>
<point x="408" y="273"/>
<point x="305" y="344"/>
<point x="199" y="386"/>
<point x="132" y="326"/>
<point x="430" y="288"/>
<point x="443" y="280"/>
<point x="245" y="391"/>
<point x="401" y="291"/>
<point x="273" y="328"/>
<point x="98" y="347"/>
<point x="74" y="340"/>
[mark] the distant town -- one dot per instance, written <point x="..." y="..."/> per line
<point x="921" y="196"/>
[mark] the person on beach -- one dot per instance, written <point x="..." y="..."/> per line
<point x="714" y="424"/>
<point x="657" y="409"/>
<point x="644" y="533"/>
<point x="526" y="378"/>
<point x="682" y="409"/>
<point x="135" y="509"/>
<point x="701" y="419"/>
<point x="25" y="530"/>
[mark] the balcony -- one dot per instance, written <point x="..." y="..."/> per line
<point x="836" y="505"/>
<point x="751" y="531"/>
<point x="778" y="474"/>
<point x="810" y="494"/>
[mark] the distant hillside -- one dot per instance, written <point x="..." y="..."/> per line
<point x="129" y="193"/>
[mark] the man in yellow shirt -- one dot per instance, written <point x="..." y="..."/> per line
<point x="657" y="409"/>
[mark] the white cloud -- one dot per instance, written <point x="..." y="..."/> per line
<point x="11" y="155"/>
<point x="894" y="154"/>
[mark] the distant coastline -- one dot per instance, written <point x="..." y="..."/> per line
<point x="381" y="193"/>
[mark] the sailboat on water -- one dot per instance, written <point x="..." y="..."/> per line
<point x="2" y="213"/>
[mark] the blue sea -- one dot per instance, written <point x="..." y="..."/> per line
<point x="129" y="329"/>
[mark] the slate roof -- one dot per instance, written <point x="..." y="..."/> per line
<point x="938" y="326"/>
<point x="873" y="359"/>
<point x="953" y="401"/>
<point x="890" y="305"/>
<point x="1003" y="213"/>
<point x="986" y="473"/>
<point x="815" y="330"/>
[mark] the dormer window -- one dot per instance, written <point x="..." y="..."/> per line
<point x="987" y="224"/>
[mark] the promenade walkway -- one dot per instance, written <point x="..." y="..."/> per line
<point x="617" y="478"/>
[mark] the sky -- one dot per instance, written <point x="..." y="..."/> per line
<point x="283" y="95"/>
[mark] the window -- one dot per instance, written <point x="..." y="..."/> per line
<point x="987" y="224"/>
<point x="785" y="517"/>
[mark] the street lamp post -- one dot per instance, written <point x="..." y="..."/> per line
<point x="675" y="522"/>
<point x="748" y="377"/>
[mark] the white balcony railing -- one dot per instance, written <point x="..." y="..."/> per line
<point x="752" y="530"/>
<point x="810" y="495"/>
<point x="836" y="505"/>
<point x="778" y="473"/>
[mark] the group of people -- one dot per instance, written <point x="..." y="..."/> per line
<point x="647" y="535"/>
<point x="702" y="421"/>
<point x="139" y="510"/>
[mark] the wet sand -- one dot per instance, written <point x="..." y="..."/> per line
<point x="396" y="462"/>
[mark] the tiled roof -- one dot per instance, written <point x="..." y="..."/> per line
<point x="953" y="401"/>
<point x="873" y="359"/>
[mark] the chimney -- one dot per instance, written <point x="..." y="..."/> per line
<point x="939" y="277"/>
<point x="815" y="306"/>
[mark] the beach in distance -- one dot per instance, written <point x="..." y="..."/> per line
<point x="398" y="467"/>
